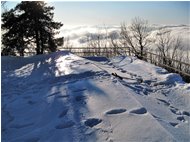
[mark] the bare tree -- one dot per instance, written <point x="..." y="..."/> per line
<point x="67" y="44"/>
<point x="164" y="41"/>
<point x="98" y="42"/>
<point x="187" y="60"/>
<point x="169" y="47"/>
<point x="136" y="36"/>
<point x="116" y="43"/>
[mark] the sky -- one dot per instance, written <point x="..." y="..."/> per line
<point x="114" y="12"/>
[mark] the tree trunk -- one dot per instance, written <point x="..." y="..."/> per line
<point x="22" y="52"/>
<point x="141" y="51"/>
<point x="37" y="43"/>
<point x="42" y="43"/>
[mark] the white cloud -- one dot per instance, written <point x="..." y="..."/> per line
<point x="77" y="34"/>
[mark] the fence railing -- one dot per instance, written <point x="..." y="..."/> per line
<point x="103" y="51"/>
<point x="171" y="65"/>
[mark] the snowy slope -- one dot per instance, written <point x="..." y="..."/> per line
<point x="65" y="98"/>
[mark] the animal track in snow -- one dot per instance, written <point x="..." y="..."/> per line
<point x="116" y="111"/>
<point x="91" y="122"/>
<point x="141" y="110"/>
<point x="64" y="125"/>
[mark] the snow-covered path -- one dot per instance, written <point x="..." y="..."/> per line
<point x="62" y="97"/>
<point x="159" y="93"/>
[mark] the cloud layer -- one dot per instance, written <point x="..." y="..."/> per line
<point x="79" y="35"/>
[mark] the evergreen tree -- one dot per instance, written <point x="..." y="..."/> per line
<point x="30" y="22"/>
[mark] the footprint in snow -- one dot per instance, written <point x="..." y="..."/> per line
<point x="123" y="71"/>
<point x="175" y="111"/>
<point x="147" y="81"/>
<point x="141" y="110"/>
<point x="181" y="118"/>
<point x="174" y="124"/>
<point x="31" y="102"/>
<point x="155" y="116"/>
<point x="63" y="113"/>
<point x="186" y="113"/>
<point x="132" y="74"/>
<point x="64" y="125"/>
<point x="139" y="87"/>
<point x="87" y="62"/>
<point x="146" y="91"/>
<point x="80" y="98"/>
<point x="91" y="122"/>
<point x="116" y="111"/>
<point x="179" y="112"/>
<point x="165" y="102"/>
<point x="150" y="82"/>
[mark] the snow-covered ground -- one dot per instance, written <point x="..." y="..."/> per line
<point x="61" y="97"/>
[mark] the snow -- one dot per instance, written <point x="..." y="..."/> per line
<point x="63" y="97"/>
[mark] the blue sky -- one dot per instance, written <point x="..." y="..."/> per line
<point x="113" y="12"/>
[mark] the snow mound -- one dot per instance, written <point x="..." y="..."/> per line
<point x="171" y="78"/>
